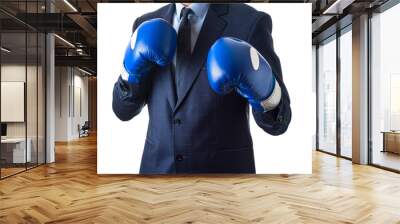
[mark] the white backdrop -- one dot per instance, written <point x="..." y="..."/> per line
<point x="120" y="144"/>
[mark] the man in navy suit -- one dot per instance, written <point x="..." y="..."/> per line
<point x="179" y="64"/>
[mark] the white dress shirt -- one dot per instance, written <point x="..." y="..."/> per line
<point x="196" y="19"/>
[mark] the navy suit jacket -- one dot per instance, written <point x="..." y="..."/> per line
<point x="196" y="130"/>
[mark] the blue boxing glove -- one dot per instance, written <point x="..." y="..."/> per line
<point x="152" y="44"/>
<point x="233" y="64"/>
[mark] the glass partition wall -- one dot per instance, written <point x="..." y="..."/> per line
<point x="327" y="95"/>
<point x="13" y="90"/>
<point x="22" y="77"/>
<point x="385" y="89"/>
<point x="345" y="62"/>
<point x="334" y="100"/>
<point x="334" y="75"/>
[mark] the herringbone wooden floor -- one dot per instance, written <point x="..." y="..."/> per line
<point x="70" y="191"/>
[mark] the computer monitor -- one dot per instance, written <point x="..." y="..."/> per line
<point x="3" y="129"/>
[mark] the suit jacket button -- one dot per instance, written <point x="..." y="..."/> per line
<point x="280" y="118"/>
<point x="179" y="157"/>
<point x="177" y="121"/>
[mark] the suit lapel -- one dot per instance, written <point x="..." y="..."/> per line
<point x="212" y="28"/>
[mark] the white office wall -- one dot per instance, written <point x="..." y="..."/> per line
<point x="71" y="102"/>
<point x="33" y="126"/>
<point x="62" y="81"/>
<point x="13" y="72"/>
<point x="16" y="73"/>
<point x="12" y="101"/>
<point x="82" y="83"/>
<point x="80" y="109"/>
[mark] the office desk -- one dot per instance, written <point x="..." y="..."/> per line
<point x="391" y="141"/>
<point x="13" y="150"/>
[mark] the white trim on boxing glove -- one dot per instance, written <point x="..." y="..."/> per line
<point x="274" y="99"/>
<point x="124" y="74"/>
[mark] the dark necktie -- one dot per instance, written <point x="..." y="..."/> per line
<point x="183" y="46"/>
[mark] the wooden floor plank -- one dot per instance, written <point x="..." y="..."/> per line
<point x="70" y="191"/>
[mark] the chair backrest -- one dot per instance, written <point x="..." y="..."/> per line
<point x="86" y="125"/>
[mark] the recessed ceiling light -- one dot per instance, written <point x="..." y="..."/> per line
<point x="70" y="5"/>
<point x="338" y="6"/>
<point x="5" y="50"/>
<point x="84" y="71"/>
<point x="64" y="40"/>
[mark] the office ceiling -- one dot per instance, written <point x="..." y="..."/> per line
<point x="75" y="21"/>
<point x="16" y="42"/>
<point x="328" y="13"/>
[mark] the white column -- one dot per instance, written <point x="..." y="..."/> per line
<point x="360" y="90"/>
<point x="50" y="99"/>
<point x="50" y="92"/>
